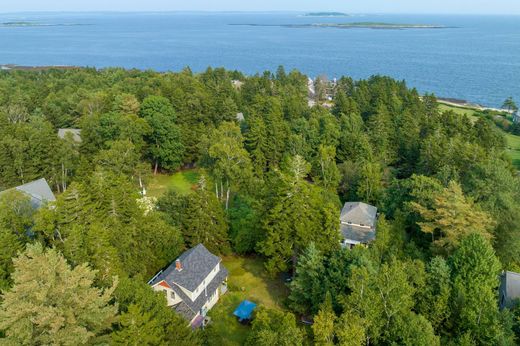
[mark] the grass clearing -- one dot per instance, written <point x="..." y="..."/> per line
<point x="247" y="280"/>
<point x="513" y="149"/>
<point x="182" y="182"/>
<point x="459" y="110"/>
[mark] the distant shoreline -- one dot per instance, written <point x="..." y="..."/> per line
<point x="21" y="24"/>
<point x="444" y="100"/>
<point x="358" y="25"/>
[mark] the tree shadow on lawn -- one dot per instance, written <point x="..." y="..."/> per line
<point x="248" y="275"/>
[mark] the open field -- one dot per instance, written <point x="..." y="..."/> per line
<point x="182" y="182"/>
<point x="247" y="280"/>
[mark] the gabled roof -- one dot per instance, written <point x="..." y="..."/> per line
<point x="189" y="308"/>
<point x="76" y="134"/>
<point x="38" y="190"/>
<point x="509" y="288"/>
<point x="362" y="235"/>
<point x="359" y="213"/>
<point x="196" y="263"/>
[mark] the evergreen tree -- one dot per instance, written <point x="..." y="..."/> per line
<point x="307" y="291"/>
<point x="50" y="303"/>
<point x="474" y="299"/>
<point x="165" y="147"/>
<point x="323" y="327"/>
<point x="299" y="215"/>
<point x="452" y="218"/>
<point x="274" y="327"/>
<point x="350" y="330"/>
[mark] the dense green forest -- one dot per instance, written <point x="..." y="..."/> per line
<point x="271" y="185"/>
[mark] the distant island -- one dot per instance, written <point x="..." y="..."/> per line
<point x="358" y="25"/>
<point x="34" y="24"/>
<point x="326" y="14"/>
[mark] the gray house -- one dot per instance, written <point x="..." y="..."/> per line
<point x="39" y="192"/>
<point x="516" y="117"/>
<point x="509" y="289"/>
<point x="358" y="224"/>
<point x="74" y="133"/>
<point x="193" y="284"/>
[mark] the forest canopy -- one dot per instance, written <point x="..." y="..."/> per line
<point x="275" y="170"/>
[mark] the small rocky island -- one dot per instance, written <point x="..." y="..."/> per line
<point x="326" y="14"/>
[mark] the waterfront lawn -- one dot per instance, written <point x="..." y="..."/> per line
<point x="182" y="182"/>
<point x="513" y="148"/>
<point x="471" y="113"/>
<point x="247" y="280"/>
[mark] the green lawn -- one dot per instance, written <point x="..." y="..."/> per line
<point x="459" y="110"/>
<point x="513" y="148"/>
<point x="513" y="142"/>
<point x="247" y="280"/>
<point x="182" y="182"/>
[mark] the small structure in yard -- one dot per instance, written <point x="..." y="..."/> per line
<point x="244" y="311"/>
<point x="509" y="289"/>
<point x="193" y="284"/>
<point x="75" y="134"/>
<point x="358" y="224"/>
<point x="39" y="192"/>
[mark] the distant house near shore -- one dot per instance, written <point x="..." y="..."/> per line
<point x="74" y="133"/>
<point x="509" y="289"/>
<point x="516" y="117"/>
<point x="358" y="224"/>
<point x="193" y="284"/>
<point x="39" y="192"/>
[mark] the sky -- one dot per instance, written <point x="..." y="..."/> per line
<point x="351" y="6"/>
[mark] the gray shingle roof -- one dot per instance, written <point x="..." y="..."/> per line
<point x="38" y="190"/>
<point x="356" y="233"/>
<point x="189" y="308"/>
<point x="76" y="134"/>
<point x="509" y="288"/>
<point x="197" y="263"/>
<point x="359" y="213"/>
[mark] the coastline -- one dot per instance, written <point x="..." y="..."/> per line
<point x="453" y="102"/>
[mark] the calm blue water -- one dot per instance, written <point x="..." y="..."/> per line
<point x="477" y="61"/>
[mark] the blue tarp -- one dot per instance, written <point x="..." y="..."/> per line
<point x="244" y="310"/>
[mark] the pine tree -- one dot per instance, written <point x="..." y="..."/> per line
<point x="274" y="327"/>
<point x="137" y="328"/>
<point x="475" y="280"/>
<point x="307" y="290"/>
<point x="452" y="217"/>
<point x="50" y="303"/>
<point x="323" y="327"/>
<point x="350" y="330"/>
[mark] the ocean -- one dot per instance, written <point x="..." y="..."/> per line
<point x="476" y="58"/>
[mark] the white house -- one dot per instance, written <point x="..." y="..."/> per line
<point x="193" y="283"/>
<point x="358" y="224"/>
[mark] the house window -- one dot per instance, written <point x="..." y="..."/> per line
<point x="172" y="295"/>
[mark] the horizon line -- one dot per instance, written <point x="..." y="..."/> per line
<point x="158" y="11"/>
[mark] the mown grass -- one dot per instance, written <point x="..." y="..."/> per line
<point x="181" y="182"/>
<point x="247" y="280"/>
<point x="513" y="142"/>
<point x="513" y="149"/>
<point x="460" y="110"/>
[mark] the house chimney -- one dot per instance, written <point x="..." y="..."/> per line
<point x="178" y="265"/>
